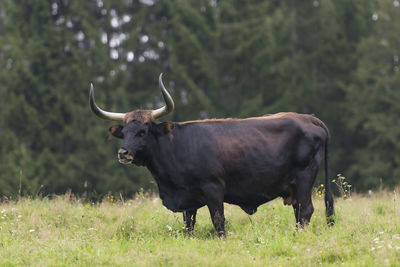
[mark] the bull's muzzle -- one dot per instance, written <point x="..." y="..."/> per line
<point x="124" y="156"/>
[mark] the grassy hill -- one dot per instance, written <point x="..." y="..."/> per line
<point x="65" y="231"/>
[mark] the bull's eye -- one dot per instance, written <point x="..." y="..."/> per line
<point x="140" y="133"/>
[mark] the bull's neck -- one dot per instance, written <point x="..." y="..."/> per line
<point x="160" y="155"/>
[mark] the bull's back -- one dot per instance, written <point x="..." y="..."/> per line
<point x="248" y="148"/>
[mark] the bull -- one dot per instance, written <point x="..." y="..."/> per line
<point x="246" y="162"/>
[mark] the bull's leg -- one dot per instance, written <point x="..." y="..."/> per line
<point x="217" y="217"/>
<point x="214" y="199"/>
<point x="189" y="219"/>
<point x="303" y="212"/>
<point x="303" y="208"/>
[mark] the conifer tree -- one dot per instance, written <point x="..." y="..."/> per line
<point x="374" y="101"/>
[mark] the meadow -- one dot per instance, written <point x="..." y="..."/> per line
<point x="65" y="231"/>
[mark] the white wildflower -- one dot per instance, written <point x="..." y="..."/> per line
<point x="91" y="229"/>
<point x="3" y="211"/>
<point x="169" y="228"/>
<point x="31" y="230"/>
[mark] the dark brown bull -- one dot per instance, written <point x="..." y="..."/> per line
<point x="246" y="162"/>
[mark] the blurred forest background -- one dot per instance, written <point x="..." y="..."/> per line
<point x="338" y="59"/>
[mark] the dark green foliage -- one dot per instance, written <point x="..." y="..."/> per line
<point x="220" y="58"/>
<point x="375" y="101"/>
<point x="49" y="133"/>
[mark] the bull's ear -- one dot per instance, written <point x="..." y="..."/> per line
<point x="116" y="130"/>
<point x="164" y="127"/>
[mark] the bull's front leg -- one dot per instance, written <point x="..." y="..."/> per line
<point x="217" y="216"/>
<point x="214" y="199"/>
<point x="189" y="219"/>
<point x="215" y="205"/>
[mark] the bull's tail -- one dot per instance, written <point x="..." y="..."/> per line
<point x="328" y="192"/>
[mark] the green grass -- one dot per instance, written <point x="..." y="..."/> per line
<point x="141" y="232"/>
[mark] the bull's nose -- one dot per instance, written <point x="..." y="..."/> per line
<point x="124" y="156"/>
<point x="123" y="151"/>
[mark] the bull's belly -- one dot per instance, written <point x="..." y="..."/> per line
<point x="249" y="203"/>
<point x="253" y="192"/>
<point x="179" y="201"/>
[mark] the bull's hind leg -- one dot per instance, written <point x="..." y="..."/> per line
<point x="303" y="213"/>
<point x="189" y="219"/>
<point x="303" y="208"/>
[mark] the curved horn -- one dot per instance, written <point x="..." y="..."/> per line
<point x="111" y="116"/>
<point x="169" y="107"/>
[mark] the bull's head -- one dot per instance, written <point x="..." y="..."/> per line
<point x="139" y="124"/>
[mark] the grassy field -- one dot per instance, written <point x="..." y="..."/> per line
<point x="141" y="232"/>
